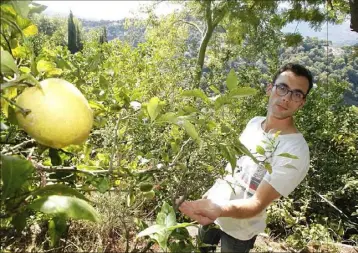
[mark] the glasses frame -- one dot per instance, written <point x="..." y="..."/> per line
<point x="289" y="90"/>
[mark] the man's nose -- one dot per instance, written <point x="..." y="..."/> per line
<point x="288" y="96"/>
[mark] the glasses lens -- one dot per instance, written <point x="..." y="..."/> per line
<point x="297" y="96"/>
<point x="281" y="90"/>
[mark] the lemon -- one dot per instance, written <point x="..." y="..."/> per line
<point x="60" y="114"/>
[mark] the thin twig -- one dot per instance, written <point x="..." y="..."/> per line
<point x="23" y="110"/>
<point x="18" y="146"/>
<point x="180" y="151"/>
<point x="8" y="44"/>
<point x="11" y="84"/>
<point x="43" y="168"/>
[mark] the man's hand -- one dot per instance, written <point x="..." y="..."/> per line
<point x="203" y="211"/>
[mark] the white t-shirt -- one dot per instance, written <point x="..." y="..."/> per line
<point x="286" y="174"/>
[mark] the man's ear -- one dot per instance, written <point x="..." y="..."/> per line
<point x="269" y="89"/>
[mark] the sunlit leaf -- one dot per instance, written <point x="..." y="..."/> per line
<point x="7" y="62"/>
<point x="21" y="7"/>
<point x="67" y="206"/>
<point x="58" y="189"/>
<point x="190" y="129"/>
<point x="260" y="150"/>
<point x="151" y="230"/>
<point x="242" y="92"/>
<point x="45" y="66"/>
<point x="30" y="30"/>
<point x="268" y="167"/>
<point x="153" y="108"/>
<point x="195" y="93"/>
<point x="231" y="80"/>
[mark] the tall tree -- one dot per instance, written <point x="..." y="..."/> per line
<point x="103" y="36"/>
<point x="72" y="35"/>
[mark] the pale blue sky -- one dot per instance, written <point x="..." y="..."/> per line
<point x="106" y="10"/>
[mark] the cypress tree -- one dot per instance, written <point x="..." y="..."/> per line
<point x="72" y="35"/>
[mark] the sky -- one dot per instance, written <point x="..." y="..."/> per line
<point x="97" y="10"/>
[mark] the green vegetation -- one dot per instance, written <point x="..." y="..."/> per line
<point x="166" y="122"/>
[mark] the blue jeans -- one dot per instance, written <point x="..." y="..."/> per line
<point x="210" y="234"/>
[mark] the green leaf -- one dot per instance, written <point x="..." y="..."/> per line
<point x="21" y="7"/>
<point x="58" y="189"/>
<point x="222" y="100"/>
<point x="168" y="117"/>
<point x="151" y="230"/>
<point x="7" y="62"/>
<point x="195" y="93"/>
<point x="293" y="39"/>
<point x="268" y="167"/>
<point x="242" y="92"/>
<point x="288" y="155"/>
<point x="145" y="187"/>
<point x="14" y="173"/>
<point x="30" y="30"/>
<point x="242" y="149"/>
<point x="45" y="66"/>
<point x="25" y="70"/>
<point x="260" y="150"/>
<point x="37" y="8"/>
<point x="229" y="155"/>
<point x="55" y="157"/>
<point x="54" y="72"/>
<point x="231" y="80"/>
<point x="103" y="82"/>
<point x="57" y="226"/>
<point x="19" y="221"/>
<point x="153" y="108"/>
<point x="103" y="185"/>
<point x="190" y="129"/>
<point x="130" y="198"/>
<point x="166" y="216"/>
<point x="87" y="167"/>
<point x="179" y="225"/>
<point x="214" y="89"/>
<point x="67" y="206"/>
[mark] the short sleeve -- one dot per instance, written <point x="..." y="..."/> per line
<point x="288" y="173"/>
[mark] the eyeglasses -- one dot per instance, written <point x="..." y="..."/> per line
<point x="282" y="90"/>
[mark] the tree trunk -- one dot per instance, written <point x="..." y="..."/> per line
<point x="353" y="4"/>
<point x="201" y="55"/>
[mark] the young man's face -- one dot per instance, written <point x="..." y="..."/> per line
<point x="284" y="106"/>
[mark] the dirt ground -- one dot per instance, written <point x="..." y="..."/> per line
<point x="266" y="244"/>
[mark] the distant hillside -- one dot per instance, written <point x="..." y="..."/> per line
<point x="339" y="35"/>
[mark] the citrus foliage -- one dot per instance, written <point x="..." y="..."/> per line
<point x="155" y="137"/>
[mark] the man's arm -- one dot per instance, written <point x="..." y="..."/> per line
<point x="247" y="208"/>
<point x="205" y="211"/>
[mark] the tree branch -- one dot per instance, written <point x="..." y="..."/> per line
<point x="18" y="146"/>
<point x="192" y="24"/>
<point x="8" y="44"/>
<point x="44" y="168"/>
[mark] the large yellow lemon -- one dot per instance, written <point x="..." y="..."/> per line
<point x="60" y="114"/>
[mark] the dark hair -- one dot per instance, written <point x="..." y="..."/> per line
<point x="298" y="70"/>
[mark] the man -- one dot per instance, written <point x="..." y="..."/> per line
<point x="237" y="204"/>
